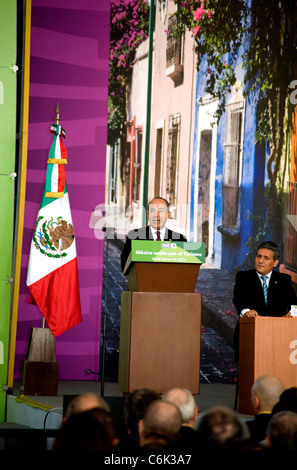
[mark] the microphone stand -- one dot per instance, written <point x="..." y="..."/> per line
<point x="107" y="236"/>
<point x="108" y="230"/>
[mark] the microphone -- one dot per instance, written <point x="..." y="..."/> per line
<point x="89" y="371"/>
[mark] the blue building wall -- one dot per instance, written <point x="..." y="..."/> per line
<point x="230" y="251"/>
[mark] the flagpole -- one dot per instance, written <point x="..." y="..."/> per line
<point x="104" y="322"/>
<point x="58" y="114"/>
<point x="57" y="122"/>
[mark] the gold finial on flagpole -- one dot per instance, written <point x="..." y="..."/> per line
<point x="58" y="115"/>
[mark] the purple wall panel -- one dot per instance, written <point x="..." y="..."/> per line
<point x="69" y="66"/>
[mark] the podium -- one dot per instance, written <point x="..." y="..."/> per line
<point x="267" y="345"/>
<point x="160" y="336"/>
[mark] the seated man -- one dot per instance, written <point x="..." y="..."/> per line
<point x="135" y="407"/>
<point x="282" y="431"/>
<point x="160" y="427"/>
<point x="262" y="290"/>
<point x="220" y="428"/>
<point x="265" y="393"/>
<point x="185" y="401"/>
<point x="157" y="213"/>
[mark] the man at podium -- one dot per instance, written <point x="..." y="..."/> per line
<point x="262" y="290"/>
<point x="157" y="214"/>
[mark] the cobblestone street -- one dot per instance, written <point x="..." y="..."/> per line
<point x="217" y="360"/>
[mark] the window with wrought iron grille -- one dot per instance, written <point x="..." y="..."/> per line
<point x="174" y="53"/>
<point x="137" y="165"/>
<point x="232" y="165"/>
<point x="172" y="157"/>
<point x="114" y="156"/>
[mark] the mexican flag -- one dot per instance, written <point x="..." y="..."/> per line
<point x="52" y="275"/>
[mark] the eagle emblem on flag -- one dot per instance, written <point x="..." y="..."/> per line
<point x="53" y="237"/>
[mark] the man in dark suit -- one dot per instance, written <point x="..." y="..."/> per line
<point x="265" y="393"/>
<point x="185" y="401"/>
<point x="157" y="213"/>
<point x="253" y="298"/>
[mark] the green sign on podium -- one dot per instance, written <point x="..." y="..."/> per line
<point x="168" y="252"/>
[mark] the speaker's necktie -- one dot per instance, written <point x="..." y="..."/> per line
<point x="265" y="288"/>
<point x="158" y="235"/>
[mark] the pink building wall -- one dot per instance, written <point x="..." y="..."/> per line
<point x="170" y="98"/>
<point x="69" y="66"/>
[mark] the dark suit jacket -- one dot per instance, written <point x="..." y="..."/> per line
<point x="248" y="293"/>
<point x="258" y="427"/>
<point x="145" y="233"/>
<point x="188" y="439"/>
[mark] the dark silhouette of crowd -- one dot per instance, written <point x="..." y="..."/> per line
<point x="173" y="422"/>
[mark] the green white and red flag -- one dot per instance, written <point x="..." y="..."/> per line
<point x="52" y="275"/>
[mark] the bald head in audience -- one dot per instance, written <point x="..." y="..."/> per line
<point x="265" y="392"/>
<point x="160" y="425"/>
<point x="84" y="402"/>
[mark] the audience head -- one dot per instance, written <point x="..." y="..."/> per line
<point x="88" y="430"/>
<point x="161" y="424"/>
<point x="84" y="402"/>
<point x="281" y="430"/>
<point x="287" y="401"/>
<point x="156" y="423"/>
<point x="186" y="404"/>
<point x="136" y="405"/>
<point x="221" y="428"/>
<point x="265" y="392"/>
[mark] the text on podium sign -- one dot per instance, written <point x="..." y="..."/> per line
<point x="168" y="251"/>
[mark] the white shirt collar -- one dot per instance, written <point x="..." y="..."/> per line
<point x="162" y="232"/>
<point x="267" y="275"/>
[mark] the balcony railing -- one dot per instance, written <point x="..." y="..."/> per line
<point x="174" y="66"/>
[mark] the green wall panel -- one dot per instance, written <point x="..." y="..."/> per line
<point x="7" y="120"/>
<point x="8" y="34"/>
<point x="6" y="225"/>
